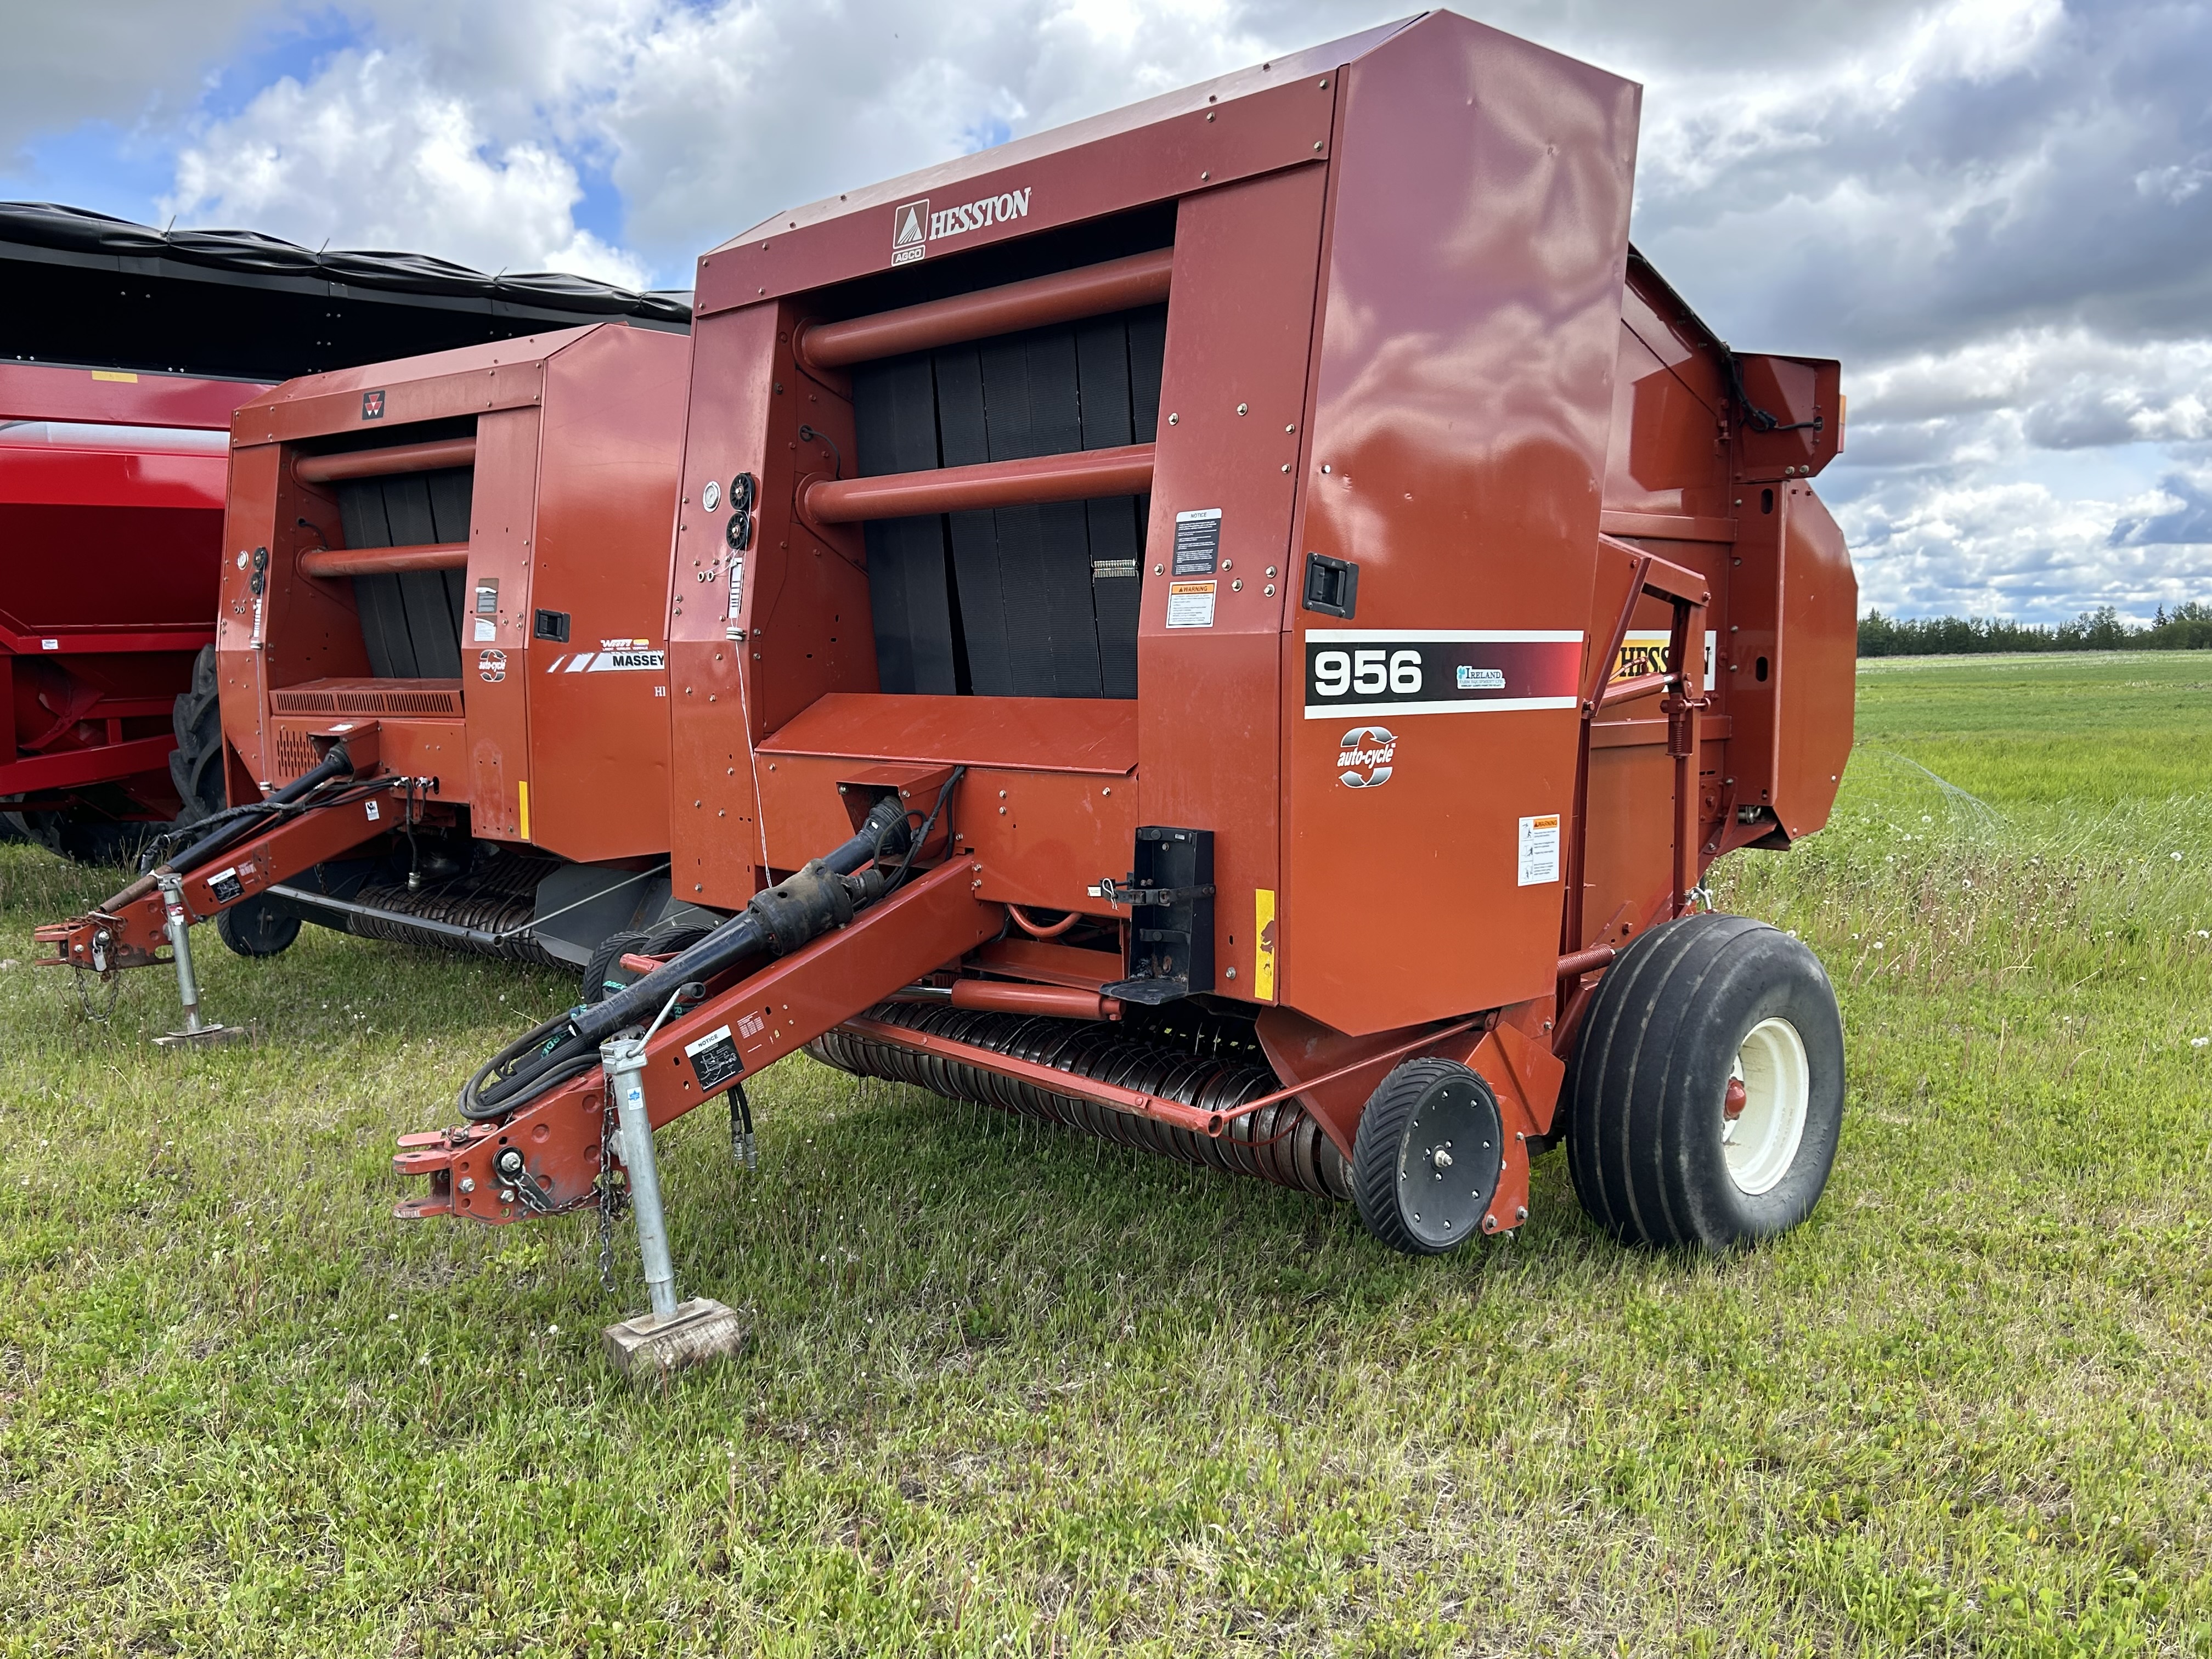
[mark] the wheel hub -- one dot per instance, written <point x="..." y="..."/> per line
<point x="1448" y="1162"/>
<point x="1763" y="1107"/>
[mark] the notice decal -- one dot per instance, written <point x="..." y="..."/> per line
<point x="1197" y="542"/>
<point x="714" y="1059"/>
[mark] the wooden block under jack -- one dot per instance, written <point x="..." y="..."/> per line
<point x="652" y="1344"/>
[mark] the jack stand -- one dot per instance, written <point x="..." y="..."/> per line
<point x="675" y="1334"/>
<point x="180" y="947"/>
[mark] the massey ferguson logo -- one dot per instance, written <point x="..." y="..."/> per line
<point x="913" y="226"/>
<point x="1365" y="756"/>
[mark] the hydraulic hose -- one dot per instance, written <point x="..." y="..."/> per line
<point x="226" y="827"/>
<point x="824" y="895"/>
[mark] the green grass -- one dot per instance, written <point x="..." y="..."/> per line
<point x="1011" y="1391"/>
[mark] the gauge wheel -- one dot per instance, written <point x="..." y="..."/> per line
<point x="1706" y="1097"/>
<point x="603" y="974"/>
<point x="255" y="928"/>
<point x="1426" y="1159"/>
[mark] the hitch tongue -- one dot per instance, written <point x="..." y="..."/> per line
<point x="673" y="1334"/>
<point x="179" y="928"/>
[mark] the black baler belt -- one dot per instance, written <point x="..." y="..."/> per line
<point x="896" y="414"/>
<point x="964" y="441"/>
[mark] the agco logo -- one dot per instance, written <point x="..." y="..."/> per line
<point x="913" y="226"/>
<point x="1364" y="757"/>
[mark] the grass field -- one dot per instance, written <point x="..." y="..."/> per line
<point x="1009" y="1391"/>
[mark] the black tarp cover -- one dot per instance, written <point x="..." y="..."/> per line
<point x="248" y="253"/>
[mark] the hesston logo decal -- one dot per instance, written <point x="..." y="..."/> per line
<point x="914" y="226"/>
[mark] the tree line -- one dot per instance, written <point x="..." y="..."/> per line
<point x="2186" y="627"/>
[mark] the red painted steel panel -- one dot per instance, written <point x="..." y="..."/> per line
<point x="75" y="768"/>
<point x="612" y="433"/>
<point x="440" y="386"/>
<point x="1240" y="321"/>
<point x="803" y="627"/>
<point x="45" y="392"/>
<point x="1815" y="662"/>
<point x="1463" y="401"/>
<point x="1050" y="734"/>
<point x="503" y="523"/>
<point x="1042" y="838"/>
<point x="1237" y="126"/>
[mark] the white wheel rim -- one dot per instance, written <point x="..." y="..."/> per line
<point x="1760" y="1143"/>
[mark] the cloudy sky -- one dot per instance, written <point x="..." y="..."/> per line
<point x="1998" y="213"/>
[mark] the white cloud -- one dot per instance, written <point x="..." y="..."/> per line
<point x="124" y="61"/>
<point x="374" y="155"/>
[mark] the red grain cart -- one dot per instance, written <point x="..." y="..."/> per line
<point x="124" y="352"/>
<point x="112" y="528"/>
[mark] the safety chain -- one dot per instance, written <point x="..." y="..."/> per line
<point x="608" y="1197"/>
<point x="113" y="979"/>
<point x="744" y="1152"/>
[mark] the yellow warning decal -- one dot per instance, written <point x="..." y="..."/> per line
<point x="1263" y="943"/>
<point x="114" y="375"/>
<point x="522" y="795"/>
<point x="1644" y="651"/>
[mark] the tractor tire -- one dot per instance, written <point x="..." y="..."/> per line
<point x="1425" y="1162"/>
<point x="603" y="972"/>
<point x="255" y="928"/>
<point x="1705" y="1097"/>
<point x="195" y="764"/>
<point x="83" y="837"/>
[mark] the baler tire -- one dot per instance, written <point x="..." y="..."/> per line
<point x="1386" y="1158"/>
<point x="196" y="763"/>
<point x="251" y="928"/>
<point x="1680" y="1013"/>
<point x="602" y="962"/>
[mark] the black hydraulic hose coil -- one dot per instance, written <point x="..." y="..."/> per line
<point x="826" y="894"/>
<point x="1282" y="1143"/>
